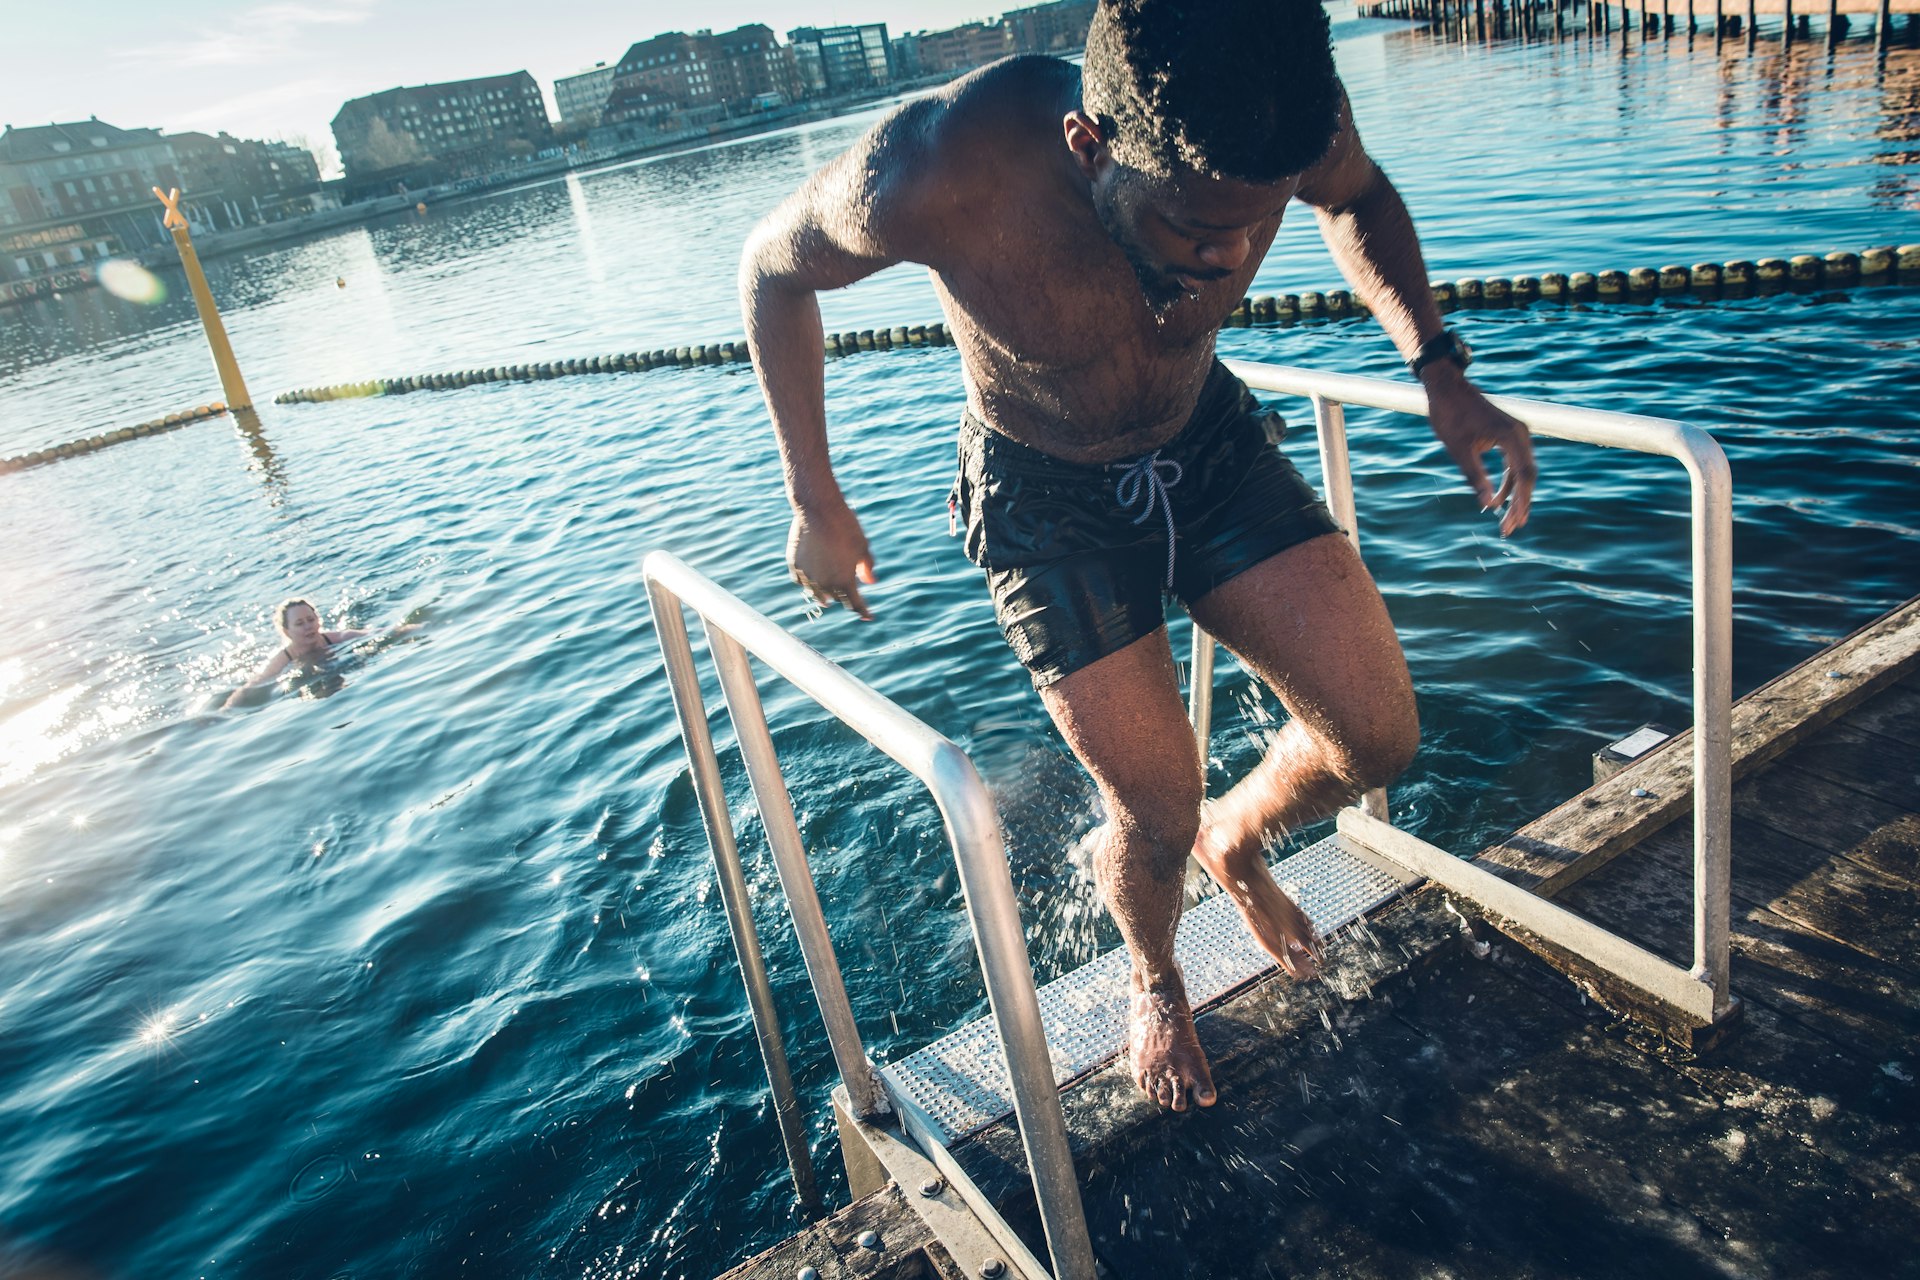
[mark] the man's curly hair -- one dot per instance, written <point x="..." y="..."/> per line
<point x="1240" y="89"/>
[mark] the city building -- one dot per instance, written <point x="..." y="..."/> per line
<point x="240" y="181"/>
<point x="658" y="79"/>
<point x="73" y="194"/>
<point x="1060" y="27"/>
<point x="961" y="48"/>
<point x="433" y="132"/>
<point x="837" y="60"/>
<point x="751" y="66"/>
<point x="582" y="99"/>
<point x="677" y="81"/>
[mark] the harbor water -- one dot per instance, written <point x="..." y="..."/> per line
<point x="419" y="969"/>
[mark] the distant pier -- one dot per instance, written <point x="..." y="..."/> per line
<point x="1480" y="19"/>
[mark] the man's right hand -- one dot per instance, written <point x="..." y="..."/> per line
<point x="827" y="555"/>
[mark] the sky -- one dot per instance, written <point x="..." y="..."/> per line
<point x="281" y="68"/>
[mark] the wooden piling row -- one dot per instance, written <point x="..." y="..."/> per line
<point x="1483" y="19"/>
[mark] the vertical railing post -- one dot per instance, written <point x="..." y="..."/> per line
<point x="684" y="680"/>
<point x="864" y="1090"/>
<point x="1713" y="717"/>
<point x="1336" y="473"/>
<point x="1200" y="693"/>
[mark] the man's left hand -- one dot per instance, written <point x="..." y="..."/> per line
<point x="1468" y="424"/>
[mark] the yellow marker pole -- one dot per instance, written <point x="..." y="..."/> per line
<point x="230" y="380"/>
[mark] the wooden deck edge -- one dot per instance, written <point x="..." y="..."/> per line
<point x="1588" y="831"/>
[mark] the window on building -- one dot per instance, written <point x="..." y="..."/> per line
<point x="87" y="184"/>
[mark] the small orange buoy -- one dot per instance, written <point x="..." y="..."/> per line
<point x="340" y="282"/>
<point x="421" y="208"/>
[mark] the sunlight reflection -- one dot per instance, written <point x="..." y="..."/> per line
<point x="129" y="280"/>
<point x="157" y="1030"/>
<point x="31" y="738"/>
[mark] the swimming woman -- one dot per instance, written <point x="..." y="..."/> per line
<point x="308" y="643"/>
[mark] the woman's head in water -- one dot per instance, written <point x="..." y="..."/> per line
<point x="298" y="622"/>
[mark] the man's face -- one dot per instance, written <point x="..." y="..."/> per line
<point x="1180" y="234"/>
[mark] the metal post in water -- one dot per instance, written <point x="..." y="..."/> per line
<point x="671" y="626"/>
<point x="231" y="383"/>
<point x="1880" y="27"/>
<point x="1786" y="26"/>
<point x="1833" y="24"/>
<point x="1751" y="27"/>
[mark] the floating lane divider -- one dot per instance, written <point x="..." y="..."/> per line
<point x="73" y="449"/>
<point x="1706" y="281"/>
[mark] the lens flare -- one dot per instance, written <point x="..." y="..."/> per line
<point x="130" y="280"/>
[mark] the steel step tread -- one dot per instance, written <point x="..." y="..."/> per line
<point x="959" y="1082"/>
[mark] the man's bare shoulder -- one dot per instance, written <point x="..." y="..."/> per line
<point x="989" y="114"/>
<point x="927" y="168"/>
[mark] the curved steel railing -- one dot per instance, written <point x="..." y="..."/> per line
<point x="735" y="630"/>
<point x="1712" y="545"/>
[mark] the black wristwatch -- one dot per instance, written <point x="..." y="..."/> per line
<point x="1447" y="345"/>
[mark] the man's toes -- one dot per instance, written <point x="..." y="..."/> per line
<point x="1179" y="1091"/>
<point x="1204" y="1093"/>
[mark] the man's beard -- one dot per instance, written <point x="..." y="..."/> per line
<point x="1159" y="287"/>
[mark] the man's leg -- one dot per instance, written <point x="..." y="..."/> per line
<point x="1122" y="716"/>
<point x="1310" y="623"/>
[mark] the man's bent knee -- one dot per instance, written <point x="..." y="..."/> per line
<point x="1382" y="750"/>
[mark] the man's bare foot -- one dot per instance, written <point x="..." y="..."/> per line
<point x="1276" y="922"/>
<point x="1164" y="1051"/>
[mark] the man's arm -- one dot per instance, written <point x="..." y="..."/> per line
<point x="1366" y="227"/>
<point x="866" y="210"/>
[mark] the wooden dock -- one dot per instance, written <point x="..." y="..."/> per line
<point x="1448" y="1103"/>
<point x="1483" y="18"/>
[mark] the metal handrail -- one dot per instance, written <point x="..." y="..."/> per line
<point x="1711" y="537"/>
<point x="735" y="630"/>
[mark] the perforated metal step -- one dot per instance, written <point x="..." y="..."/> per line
<point x="959" y="1082"/>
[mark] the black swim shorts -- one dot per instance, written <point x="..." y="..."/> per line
<point x="1080" y="557"/>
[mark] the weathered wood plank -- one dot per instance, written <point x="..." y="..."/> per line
<point x="1864" y="762"/>
<point x="1848" y="997"/>
<point x="1605" y="820"/>
<point x="1894" y="713"/>
<point x="1856" y="826"/>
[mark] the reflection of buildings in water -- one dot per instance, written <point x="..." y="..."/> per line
<point x="266" y="463"/>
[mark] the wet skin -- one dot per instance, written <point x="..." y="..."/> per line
<point x="1084" y="300"/>
<point x="307" y="642"/>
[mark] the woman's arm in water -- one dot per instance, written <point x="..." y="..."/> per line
<point x="266" y="675"/>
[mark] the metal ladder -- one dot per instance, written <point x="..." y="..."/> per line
<point x="1014" y="1061"/>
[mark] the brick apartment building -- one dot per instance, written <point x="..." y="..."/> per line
<point x="675" y="80"/>
<point x="433" y="132"/>
<point x="74" y="194"/>
<point x="1060" y="27"/>
<point x="582" y="99"/>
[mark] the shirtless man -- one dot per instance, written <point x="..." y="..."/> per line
<point x="1088" y="233"/>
